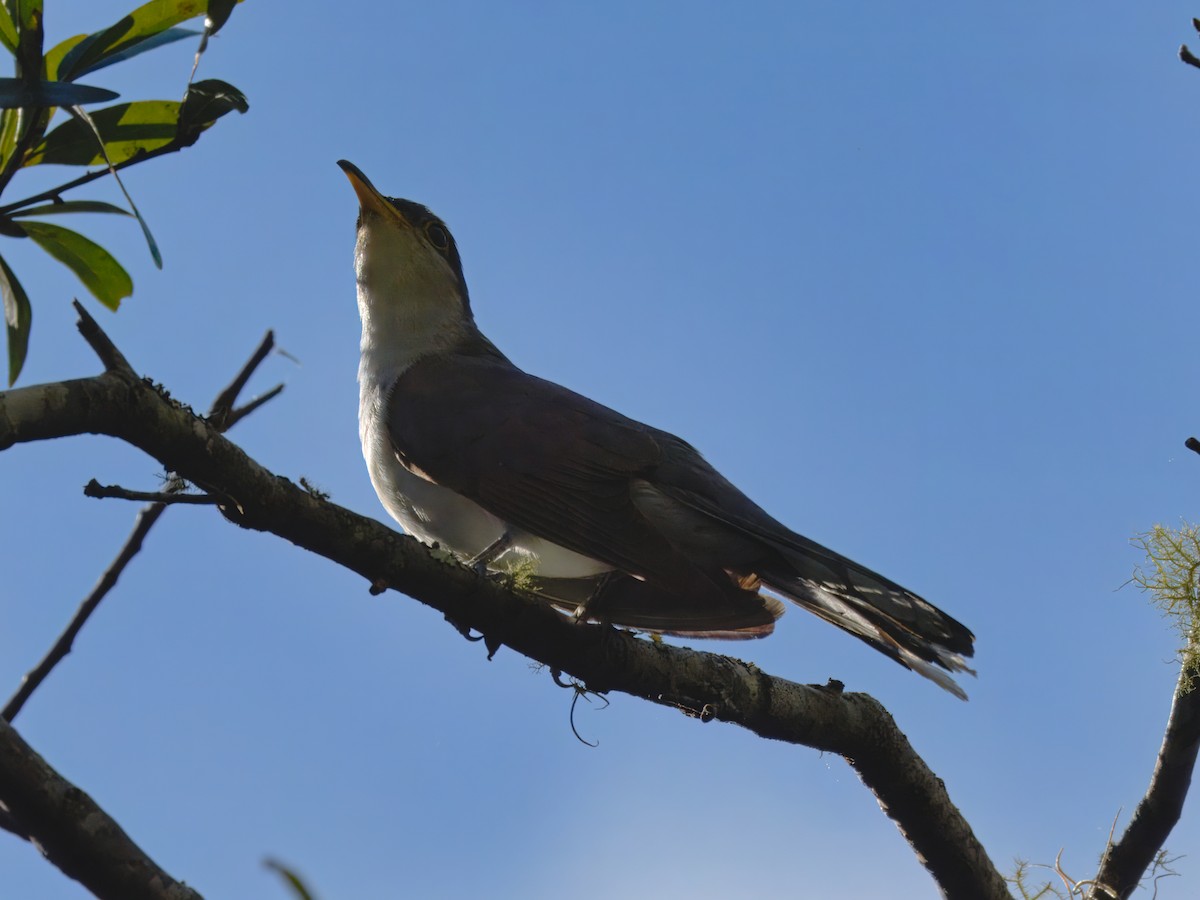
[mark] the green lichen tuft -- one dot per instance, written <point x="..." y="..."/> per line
<point x="1170" y="576"/>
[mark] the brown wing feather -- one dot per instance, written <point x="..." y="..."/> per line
<point x="555" y="464"/>
<point x="619" y="599"/>
<point x="795" y="565"/>
<point x="543" y="458"/>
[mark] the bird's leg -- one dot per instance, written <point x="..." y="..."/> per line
<point x="581" y="611"/>
<point x="485" y="557"/>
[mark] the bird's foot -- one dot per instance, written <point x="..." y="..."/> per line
<point x="485" y="557"/>
<point x="583" y="610"/>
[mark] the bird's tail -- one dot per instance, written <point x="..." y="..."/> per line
<point x="876" y="610"/>
<point x="627" y="602"/>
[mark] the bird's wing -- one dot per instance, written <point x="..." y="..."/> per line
<point x="557" y="465"/>
<point x="702" y="513"/>
<point x="621" y="599"/>
<point x="542" y="458"/>
<point x="827" y="569"/>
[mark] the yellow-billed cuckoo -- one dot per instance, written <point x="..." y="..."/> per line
<point x="621" y="522"/>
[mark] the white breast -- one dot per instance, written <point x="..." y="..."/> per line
<point x="434" y="514"/>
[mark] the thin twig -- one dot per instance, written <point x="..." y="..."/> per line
<point x="145" y="520"/>
<point x="114" y="360"/>
<point x="1161" y="862"/>
<point x="1108" y="845"/>
<point x="89" y="177"/>
<point x="222" y="406"/>
<point x="242" y="411"/>
<point x="100" y="491"/>
<point x="81" y="115"/>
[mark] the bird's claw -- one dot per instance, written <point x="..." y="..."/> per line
<point x="464" y="630"/>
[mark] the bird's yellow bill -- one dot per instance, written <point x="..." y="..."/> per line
<point x="368" y="197"/>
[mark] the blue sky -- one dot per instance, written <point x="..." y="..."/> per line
<point x="919" y="280"/>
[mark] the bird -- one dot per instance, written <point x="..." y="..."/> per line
<point x="613" y="520"/>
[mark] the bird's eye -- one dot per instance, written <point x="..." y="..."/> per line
<point x="438" y="236"/>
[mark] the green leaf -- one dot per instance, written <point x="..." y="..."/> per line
<point x="60" y="51"/>
<point x="144" y="22"/>
<point x="55" y="55"/>
<point x="151" y="243"/>
<point x="18" y="93"/>
<point x="170" y="36"/>
<point x="72" y="206"/>
<point x="9" y="119"/>
<point x="205" y="102"/>
<point x="18" y="318"/>
<point x="291" y="879"/>
<point x="79" y="113"/>
<point x="8" y="30"/>
<point x="219" y="12"/>
<point x="127" y="129"/>
<point x="96" y="267"/>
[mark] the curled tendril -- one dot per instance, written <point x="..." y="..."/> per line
<point x="580" y="690"/>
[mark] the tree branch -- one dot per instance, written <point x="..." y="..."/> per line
<point x="99" y="491"/>
<point x="55" y="193"/>
<point x="1125" y="863"/>
<point x="1127" y="860"/>
<point x="225" y="417"/>
<point x="33" y="679"/>
<point x="706" y="685"/>
<point x="74" y="833"/>
<point x="240" y="412"/>
<point x="222" y="413"/>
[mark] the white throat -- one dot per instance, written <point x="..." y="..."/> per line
<point x="409" y="304"/>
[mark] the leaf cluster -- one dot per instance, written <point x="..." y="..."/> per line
<point x="1170" y="575"/>
<point x="44" y="84"/>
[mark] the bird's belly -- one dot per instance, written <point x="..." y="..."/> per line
<point x="553" y="561"/>
<point x="434" y="514"/>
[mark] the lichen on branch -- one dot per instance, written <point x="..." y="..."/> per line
<point x="1170" y="576"/>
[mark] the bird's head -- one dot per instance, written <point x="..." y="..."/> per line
<point x="411" y="290"/>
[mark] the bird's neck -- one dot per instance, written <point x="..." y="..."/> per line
<point x="399" y="329"/>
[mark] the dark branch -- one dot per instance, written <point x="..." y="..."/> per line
<point x="111" y="858"/>
<point x="1127" y="860"/>
<point x="55" y="193"/>
<point x="222" y="406"/>
<point x="114" y="360"/>
<point x="12" y="826"/>
<point x="852" y="725"/>
<point x="145" y="520"/>
<point x="1125" y="863"/>
<point x="166" y="498"/>
<point x="74" y="833"/>
<point x="241" y="412"/>
<point x="110" y="356"/>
